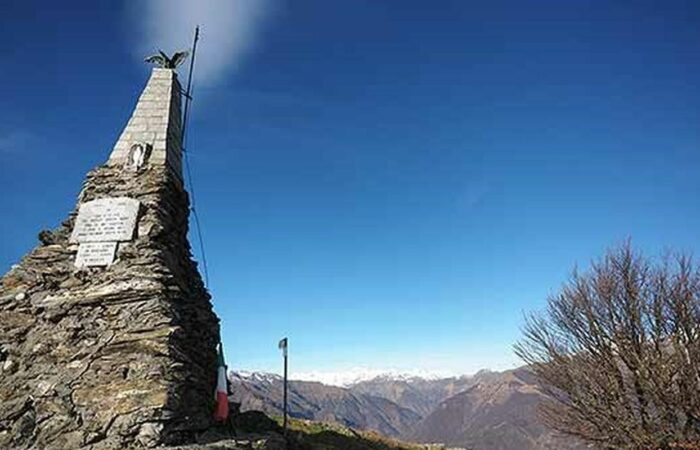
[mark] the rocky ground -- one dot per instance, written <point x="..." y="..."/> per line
<point x="254" y="430"/>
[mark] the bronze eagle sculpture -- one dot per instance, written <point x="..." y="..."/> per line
<point x="164" y="62"/>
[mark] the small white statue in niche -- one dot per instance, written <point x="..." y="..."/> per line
<point x="138" y="155"/>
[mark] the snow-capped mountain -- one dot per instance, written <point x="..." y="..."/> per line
<point x="357" y="375"/>
<point x="255" y="377"/>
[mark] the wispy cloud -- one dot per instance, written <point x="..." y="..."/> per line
<point x="15" y="141"/>
<point x="473" y="193"/>
<point x="229" y="30"/>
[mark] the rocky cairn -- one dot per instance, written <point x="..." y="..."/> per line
<point x="107" y="334"/>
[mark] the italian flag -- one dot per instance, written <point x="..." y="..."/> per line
<point x="221" y="413"/>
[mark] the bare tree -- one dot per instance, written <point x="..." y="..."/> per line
<point x="618" y="350"/>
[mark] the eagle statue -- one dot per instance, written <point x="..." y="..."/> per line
<point x="164" y="62"/>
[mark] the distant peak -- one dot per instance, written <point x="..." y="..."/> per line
<point x="260" y="377"/>
<point x="361" y="374"/>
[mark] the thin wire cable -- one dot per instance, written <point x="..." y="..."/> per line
<point x="188" y="167"/>
<point x="198" y="226"/>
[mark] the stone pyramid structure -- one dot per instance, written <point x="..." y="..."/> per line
<point x="107" y="334"/>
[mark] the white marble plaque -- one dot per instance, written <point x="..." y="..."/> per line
<point x="95" y="254"/>
<point x="106" y="220"/>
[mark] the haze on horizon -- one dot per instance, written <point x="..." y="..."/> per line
<point x="392" y="186"/>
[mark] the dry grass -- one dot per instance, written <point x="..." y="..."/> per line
<point x="312" y="434"/>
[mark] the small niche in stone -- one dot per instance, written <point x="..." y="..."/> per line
<point x="139" y="153"/>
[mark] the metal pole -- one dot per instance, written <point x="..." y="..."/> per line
<point x="188" y="93"/>
<point x="285" y="391"/>
<point x="282" y="345"/>
<point x="185" y="116"/>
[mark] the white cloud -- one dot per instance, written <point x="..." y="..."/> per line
<point x="229" y="31"/>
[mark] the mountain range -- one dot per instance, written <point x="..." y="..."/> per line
<point x="316" y="401"/>
<point x="486" y="411"/>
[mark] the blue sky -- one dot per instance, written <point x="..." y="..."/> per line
<point x="391" y="184"/>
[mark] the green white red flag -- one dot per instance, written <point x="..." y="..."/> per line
<point x="221" y="413"/>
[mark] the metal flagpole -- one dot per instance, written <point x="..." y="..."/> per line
<point x="188" y="93"/>
<point x="185" y="117"/>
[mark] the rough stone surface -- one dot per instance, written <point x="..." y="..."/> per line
<point x="261" y="442"/>
<point x="110" y="358"/>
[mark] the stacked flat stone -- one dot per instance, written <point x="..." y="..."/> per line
<point x="120" y="356"/>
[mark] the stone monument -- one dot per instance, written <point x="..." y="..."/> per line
<point x="107" y="334"/>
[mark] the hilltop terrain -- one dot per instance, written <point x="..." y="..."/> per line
<point x="255" y="430"/>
